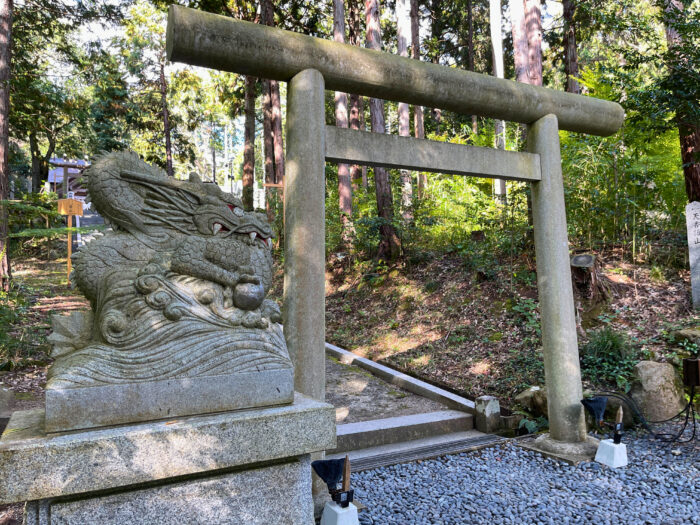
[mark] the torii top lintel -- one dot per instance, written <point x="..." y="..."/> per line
<point x="204" y="39"/>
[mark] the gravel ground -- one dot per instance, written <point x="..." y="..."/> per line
<point x="507" y="484"/>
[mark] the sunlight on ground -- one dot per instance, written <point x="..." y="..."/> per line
<point x="423" y="360"/>
<point x="480" y="368"/>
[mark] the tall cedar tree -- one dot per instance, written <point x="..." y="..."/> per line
<point x="267" y="12"/>
<point x="268" y="139"/>
<point x="418" y="125"/>
<point x="570" y="50"/>
<point x="268" y="149"/>
<point x="357" y="173"/>
<point x="533" y="23"/>
<point x="389" y="242"/>
<point x="249" y="144"/>
<point x="166" y="123"/>
<point x="341" y="120"/>
<point x="436" y="27"/>
<point x="5" y="59"/>
<point x="499" y="185"/>
<point x="520" y="40"/>
<point x="403" y="26"/>
<point x="688" y="130"/>
<point x="470" y="52"/>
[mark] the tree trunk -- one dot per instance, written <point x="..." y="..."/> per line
<point x="341" y="120"/>
<point x="5" y="60"/>
<point x="470" y="53"/>
<point x="389" y="244"/>
<point x="688" y="132"/>
<point x="418" y="125"/>
<point x="36" y="162"/>
<point x="570" y="50"/>
<point x="403" y="32"/>
<point x="249" y="145"/>
<point x="499" y="185"/>
<point x="40" y="163"/>
<point x="435" y="29"/>
<point x="358" y="174"/>
<point x="520" y="44"/>
<point x="166" y="122"/>
<point x="690" y="154"/>
<point x="275" y="102"/>
<point x="269" y="150"/>
<point x="534" y="41"/>
<point x="212" y="144"/>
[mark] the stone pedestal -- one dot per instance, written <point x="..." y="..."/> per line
<point x="250" y="466"/>
<point x="611" y="454"/>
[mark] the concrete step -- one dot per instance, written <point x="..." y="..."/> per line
<point x="365" y="434"/>
<point x="425" y="448"/>
<point x="402" y="380"/>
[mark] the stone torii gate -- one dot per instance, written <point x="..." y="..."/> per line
<point x="311" y="65"/>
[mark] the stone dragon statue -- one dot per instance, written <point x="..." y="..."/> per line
<point x="177" y="287"/>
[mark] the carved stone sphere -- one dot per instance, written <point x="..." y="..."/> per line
<point x="248" y="296"/>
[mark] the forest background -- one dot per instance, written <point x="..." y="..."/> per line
<point x="80" y="78"/>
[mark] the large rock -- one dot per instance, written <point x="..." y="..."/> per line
<point x="692" y="335"/>
<point x="657" y="389"/>
<point x="534" y="399"/>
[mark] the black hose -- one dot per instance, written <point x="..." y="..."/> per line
<point x="688" y="411"/>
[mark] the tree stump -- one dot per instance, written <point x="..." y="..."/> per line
<point x="590" y="286"/>
<point x="588" y="279"/>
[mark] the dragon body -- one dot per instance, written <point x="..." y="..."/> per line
<point x="177" y="287"/>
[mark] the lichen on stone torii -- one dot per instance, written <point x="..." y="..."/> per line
<point x="177" y="287"/>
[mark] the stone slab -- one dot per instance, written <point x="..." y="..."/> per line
<point x="692" y="220"/>
<point x="393" y="151"/>
<point x="99" y="406"/>
<point x="376" y="432"/>
<point x="402" y="380"/>
<point x="571" y="453"/>
<point x="262" y="496"/>
<point x="35" y="465"/>
<point x="419" y="449"/>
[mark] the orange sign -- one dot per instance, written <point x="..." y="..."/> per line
<point x="70" y="207"/>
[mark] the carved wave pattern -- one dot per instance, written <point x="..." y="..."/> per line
<point x="165" y="326"/>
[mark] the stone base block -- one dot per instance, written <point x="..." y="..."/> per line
<point x="105" y="405"/>
<point x="267" y="495"/>
<point x="573" y="453"/>
<point x="612" y="455"/>
<point x="334" y="514"/>
<point x="35" y="465"/>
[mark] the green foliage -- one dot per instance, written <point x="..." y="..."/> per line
<point x="532" y="425"/>
<point x="609" y="358"/>
<point x="690" y="347"/>
<point x="12" y="306"/>
<point x="526" y="309"/>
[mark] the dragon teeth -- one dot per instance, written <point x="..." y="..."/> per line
<point x="217" y="228"/>
<point x="253" y="235"/>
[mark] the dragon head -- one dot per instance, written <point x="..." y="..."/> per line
<point x="143" y="200"/>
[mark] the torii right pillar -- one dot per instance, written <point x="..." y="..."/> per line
<point x="567" y="427"/>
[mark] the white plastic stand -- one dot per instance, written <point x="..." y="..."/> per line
<point x="610" y="454"/>
<point x="334" y="514"/>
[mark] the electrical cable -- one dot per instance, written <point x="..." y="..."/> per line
<point x="688" y="411"/>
